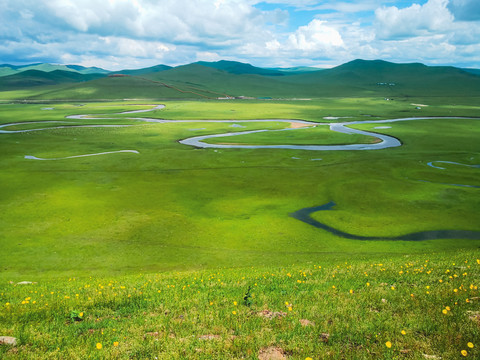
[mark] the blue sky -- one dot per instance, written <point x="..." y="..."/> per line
<point x="118" y="34"/>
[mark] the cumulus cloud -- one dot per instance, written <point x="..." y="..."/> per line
<point x="141" y="28"/>
<point x="317" y="35"/>
<point x="168" y="20"/>
<point x="138" y="33"/>
<point x="416" y="20"/>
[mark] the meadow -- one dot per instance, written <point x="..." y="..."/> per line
<point x="158" y="248"/>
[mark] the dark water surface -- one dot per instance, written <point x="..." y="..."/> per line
<point x="304" y="215"/>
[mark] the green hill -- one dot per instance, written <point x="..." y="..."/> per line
<point x="218" y="81"/>
<point x="118" y="87"/>
<point x="382" y="78"/>
<point x="235" y="67"/>
<point x="31" y="78"/>
<point x="227" y="78"/>
<point x="153" y="69"/>
<point x="87" y="70"/>
<point x="7" y="69"/>
<point x="297" y="69"/>
<point x="472" y="71"/>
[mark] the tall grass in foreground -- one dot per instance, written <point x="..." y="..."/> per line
<point x="409" y="307"/>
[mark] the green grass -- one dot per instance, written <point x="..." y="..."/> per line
<point x="176" y="207"/>
<point x="176" y="215"/>
<point x="349" y="310"/>
<point x="313" y="136"/>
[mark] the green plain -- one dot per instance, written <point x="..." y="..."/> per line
<point x="176" y="207"/>
<point x="156" y="247"/>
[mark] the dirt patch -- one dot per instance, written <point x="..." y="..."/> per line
<point x="271" y="353"/>
<point x="271" y="314"/>
<point x="209" y="337"/>
<point x="324" y="337"/>
<point x="474" y="316"/>
<point x="421" y="105"/>
<point x="8" y="340"/>
<point x="297" y="125"/>
<point x="306" y="322"/>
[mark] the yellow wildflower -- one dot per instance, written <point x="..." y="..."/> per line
<point x="404" y="332"/>
<point x="115" y="343"/>
<point x="99" y="346"/>
<point x="470" y="345"/>
<point x="464" y="352"/>
<point x="388" y="344"/>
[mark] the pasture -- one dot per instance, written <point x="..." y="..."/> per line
<point x="84" y="227"/>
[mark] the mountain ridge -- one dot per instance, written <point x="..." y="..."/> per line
<point x="235" y="79"/>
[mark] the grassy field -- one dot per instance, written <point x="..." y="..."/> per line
<point x="172" y="216"/>
<point x="408" y="307"/>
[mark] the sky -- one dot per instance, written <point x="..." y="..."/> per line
<point x="131" y="34"/>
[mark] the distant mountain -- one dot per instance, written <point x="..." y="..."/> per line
<point x="235" y="67"/>
<point x="29" y="78"/>
<point x="357" y="78"/>
<point x="472" y="71"/>
<point x="7" y="69"/>
<point x="87" y="70"/>
<point x="383" y="78"/>
<point x="218" y="81"/>
<point x="152" y="69"/>
<point x="297" y="69"/>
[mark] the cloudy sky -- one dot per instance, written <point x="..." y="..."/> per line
<point x="118" y="34"/>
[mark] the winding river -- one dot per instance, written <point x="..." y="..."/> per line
<point x="304" y="215"/>
<point x="386" y="141"/>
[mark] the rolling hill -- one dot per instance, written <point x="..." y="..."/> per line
<point x="7" y="69"/>
<point x="30" y="78"/>
<point x="235" y="67"/>
<point x="152" y="69"/>
<point x="234" y="79"/>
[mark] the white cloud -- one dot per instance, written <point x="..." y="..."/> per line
<point x="273" y="45"/>
<point x="416" y="20"/>
<point x="315" y="36"/>
<point x="130" y="33"/>
<point x="186" y="21"/>
<point x="208" y="56"/>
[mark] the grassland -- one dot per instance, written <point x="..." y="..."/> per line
<point x="180" y="215"/>
<point x="409" y="307"/>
